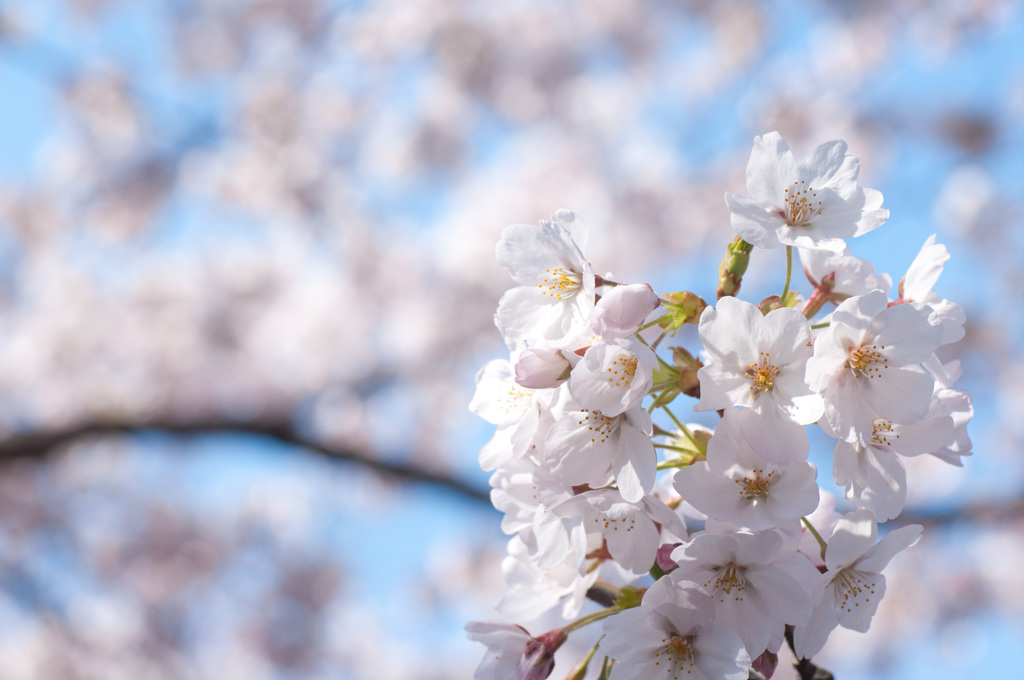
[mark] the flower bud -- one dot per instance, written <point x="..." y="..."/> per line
<point x="683" y="307"/>
<point x="770" y="304"/>
<point x="733" y="266"/>
<point x="622" y="310"/>
<point x="766" y="664"/>
<point x="688" y="366"/>
<point x="664" y="559"/>
<point x="538" y="660"/>
<point x="542" y="368"/>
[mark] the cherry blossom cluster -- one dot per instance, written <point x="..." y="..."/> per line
<point x="712" y="549"/>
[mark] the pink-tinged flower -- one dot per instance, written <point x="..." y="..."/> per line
<point x="752" y="583"/>
<point x="848" y="593"/>
<point x="866" y="364"/>
<point x="614" y="376"/>
<point x="512" y="653"/>
<point x="916" y="288"/>
<point x="621" y="311"/>
<point x="815" y="203"/>
<point x="586" y="446"/>
<point x="736" y="483"/>
<point x="758" y="362"/>
<point x="556" y="293"/>
<point x="672" y="635"/>
<point x="544" y="368"/>
<point x="836" y="277"/>
<point x="630" y="530"/>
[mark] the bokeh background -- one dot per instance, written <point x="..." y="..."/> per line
<point x="247" y="278"/>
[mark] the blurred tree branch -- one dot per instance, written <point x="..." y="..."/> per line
<point x="41" y="444"/>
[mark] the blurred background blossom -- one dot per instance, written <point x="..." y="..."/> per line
<point x="247" y="276"/>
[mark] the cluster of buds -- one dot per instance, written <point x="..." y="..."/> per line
<point x="602" y="503"/>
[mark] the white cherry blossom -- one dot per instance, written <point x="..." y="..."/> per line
<point x="585" y="446"/>
<point x="556" y="293"/>
<point x="672" y="635"/>
<point x="613" y="376"/>
<point x="815" y="203"/>
<point x="916" y="288"/>
<point x="630" y="530"/>
<point x="866" y="364"/>
<point x="759" y="361"/>
<point x="736" y="484"/>
<point x="752" y="583"/>
<point x="850" y="275"/>
<point x="848" y="593"/>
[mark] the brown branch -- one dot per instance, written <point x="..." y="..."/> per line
<point x="41" y="444"/>
<point x="805" y="669"/>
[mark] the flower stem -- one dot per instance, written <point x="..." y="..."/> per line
<point x="789" y="272"/>
<point x="817" y="536"/>
<point x="580" y="670"/>
<point x="682" y="428"/>
<point x="591" y="618"/>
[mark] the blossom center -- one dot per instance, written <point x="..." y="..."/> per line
<point x="763" y="374"/>
<point x="801" y="205"/>
<point x="599" y="425"/>
<point x="677" y="653"/>
<point x="622" y="370"/>
<point x="881" y="432"/>
<point x="867" y="362"/>
<point x="853" y="588"/>
<point x="726" y="580"/>
<point x="756" y="486"/>
<point x="560" y="283"/>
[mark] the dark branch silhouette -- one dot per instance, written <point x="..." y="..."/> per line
<point x="43" y="443"/>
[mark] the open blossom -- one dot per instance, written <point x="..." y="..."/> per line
<point x="613" y="376"/>
<point x="815" y="203"/>
<point x="759" y="361"/>
<point x="848" y="593"/>
<point x="866" y="364"/>
<point x="585" y="446"/>
<point x="515" y="409"/>
<point x="870" y="468"/>
<point x="629" y="530"/>
<point x="916" y="288"/>
<point x="555" y="297"/>
<point x="736" y="484"/>
<point x="672" y="634"/>
<point x="848" y="275"/>
<point x="754" y="584"/>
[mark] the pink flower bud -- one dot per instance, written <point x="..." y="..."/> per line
<point x="622" y="311"/>
<point x="664" y="557"/>
<point x="542" y="368"/>
<point x="538" y="660"/>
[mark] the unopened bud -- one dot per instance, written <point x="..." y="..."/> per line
<point x="770" y="303"/>
<point x="688" y="366"/>
<point x="538" y="660"/>
<point x="542" y="368"/>
<point x="766" y="664"/>
<point x="683" y="307"/>
<point x="621" y="312"/>
<point x="663" y="557"/>
<point x="733" y="266"/>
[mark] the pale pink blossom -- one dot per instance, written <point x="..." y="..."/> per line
<point x="815" y="203"/>
<point x="848" y="593"/>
